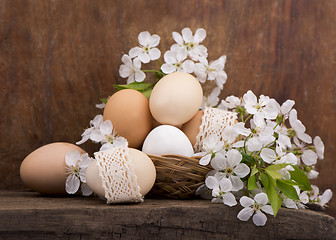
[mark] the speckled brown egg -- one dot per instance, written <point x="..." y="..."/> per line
<point x="128" y="110"/>
<point x="43" y="170"/>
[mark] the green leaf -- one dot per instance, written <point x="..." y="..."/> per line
<point x="273" y="173"/>
<point x="271" y="192"/>
<point x="247" y="158"/>
<point x="252" y="182"/>
<point x="147" y="92"/>
<point x="276" y="167"/>
<point x="139" y="86"/>
<point x="287" y="189"/>
<point x="300" y="177"/>
<point x="264" y="180"/>
<point x="104" y="100"/>
<point x="273" y="198"/>
<point x="291" y="182"/>
<point x="254" y="170"/>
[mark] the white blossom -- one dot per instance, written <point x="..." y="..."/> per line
<point x="147" y="50"/>
<point x="211" y="145"/>
<point x="308" y="156"/>
<point x="255" y="207"/>
<point x="221" y="189"/>
<point x="230" y="102"/>
<point x="298" y="127"/>
<point x="191" y="43"/>
<point x="319" y="147"/>
<point x="296" y="204"/>
<point x="89" y="132"/>
<point x="131" y="69"/>
<point x="211" y="100"/>
<point x="322" y="200"/>
<point x="229" y="166"/>
<point x="285" y="108"/>
<point x="102" y="132"/>
<point x="261" y="108"/>
<point x="175" y="61"/>
<point x="212" y="72"/>
<point x="76" y="165"/>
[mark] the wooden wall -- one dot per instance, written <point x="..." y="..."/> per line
<point x="58" y="57"/>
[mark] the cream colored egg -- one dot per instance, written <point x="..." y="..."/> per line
<point x="167" y="139"/>
<point x="176" y="98"/>
<point x="43" y="170"/>
<point x="143" y="167"/>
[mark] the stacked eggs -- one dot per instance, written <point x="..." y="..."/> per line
<point x="174" y="104"/>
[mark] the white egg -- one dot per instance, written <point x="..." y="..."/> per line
<point x="166" y="139"/>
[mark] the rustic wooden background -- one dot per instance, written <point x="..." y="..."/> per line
<point x="58" y="57"/>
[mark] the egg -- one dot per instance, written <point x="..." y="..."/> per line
<point x="176" y="98"/>
<point x="191" y="128"/>
<point x="210" y="121"/>
<point x="43" y="170"/>
<point x="167" y="139"/>
<point x="128" y="110"/>
<point x="143" y="167"/>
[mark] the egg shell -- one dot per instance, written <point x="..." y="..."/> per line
<point x="128" y="110"/>
<point x="43" y="170"/>
<point x="167" y="139"/>
<point x="143" y="167"/>
<point x="191" y="128"/>
<point x="176" y="98"/>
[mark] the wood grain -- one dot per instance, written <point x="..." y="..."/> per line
<point x="57" y="58"/>
<point x="26" y="215"/>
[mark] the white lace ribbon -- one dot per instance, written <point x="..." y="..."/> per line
<point x="214" y="121"/>
<point x="118" y="176"/>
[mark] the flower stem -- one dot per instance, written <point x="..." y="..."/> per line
<point x="154" y="71"/>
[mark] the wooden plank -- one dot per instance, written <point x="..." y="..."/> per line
<point x="28" y="215"/>
<point x="57" y="58"/>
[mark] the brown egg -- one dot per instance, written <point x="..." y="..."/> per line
<point x="128" y="110"/>
<point x="191" y="128"/>
<point x="43" y="170"/>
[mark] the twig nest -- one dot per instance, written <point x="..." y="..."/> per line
<point x="121" y="174"/>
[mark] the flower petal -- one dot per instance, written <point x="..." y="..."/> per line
<point x="86" y="190"/>
<point x="268" y="155"/>
<point x="168" y="68"/>
<point x="309" y="157"/>
<point x="234" y="157"/>
<point x="237" y="183"/>
<point x="144" y="38"/>
<point x="135" y="52"/>
<point x="72" y="184"/>
<point x="211" y="182"/>
<point x="139" y="76"/>
<point x="241" y="170"/>
<point x="187" y="35"/>
<point x="319" y="147"/>
<point x="72" y="157"/>
<point x="246" y="201"/>
<point x="261" y="198"/>
<point x="267" y="209"/>
<point x="229" y="199"/>
<point x="259" y="219"/>
<point x="205" y="160"/>
<point x="225" y="185"/>
<point x="177" y="38"/>
<point x="245" y="214"/>
<point x="106" y="128"/>
<point x="154" y="53"/>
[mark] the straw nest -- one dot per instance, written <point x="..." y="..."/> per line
<point x="177" y="176"/>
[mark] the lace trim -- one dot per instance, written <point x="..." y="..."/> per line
<point x="214" y="121"/>
<point x="117" y="173"/>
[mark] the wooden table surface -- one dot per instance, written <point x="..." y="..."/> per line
<point x="29" y="215"/>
